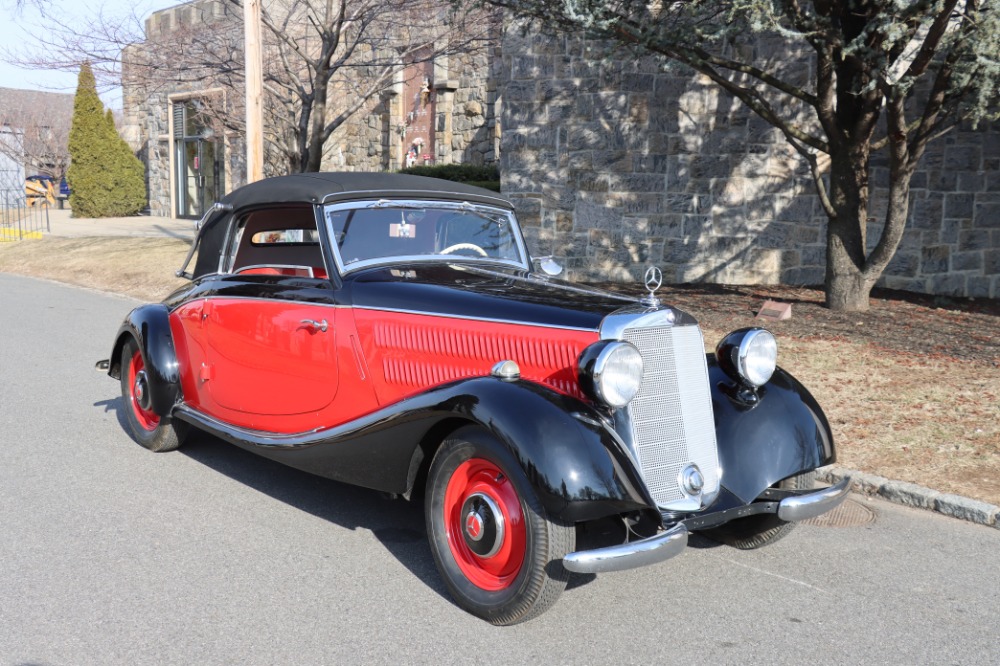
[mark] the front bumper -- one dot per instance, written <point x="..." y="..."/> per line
<point x="673" y="541"/>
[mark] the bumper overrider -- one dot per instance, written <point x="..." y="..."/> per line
<point x="673" y="541"/>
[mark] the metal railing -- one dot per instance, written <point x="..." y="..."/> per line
<point x="21" y="217"/>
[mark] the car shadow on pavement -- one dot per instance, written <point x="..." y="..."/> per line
<point x="396" y="523"/>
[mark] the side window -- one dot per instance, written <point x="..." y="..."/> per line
<point x="278" y="242"/>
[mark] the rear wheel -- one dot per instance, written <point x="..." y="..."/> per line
<point x="153" y="431"/>
<point x="764" y="529"/>
<point x="498" y="552"/>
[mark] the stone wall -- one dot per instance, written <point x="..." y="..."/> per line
<point x="464" y="86"/>
<point x="617" y="165"/>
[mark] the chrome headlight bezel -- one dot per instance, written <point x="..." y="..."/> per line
<point x="610" y="372"/>
<point x="748" y="355"/>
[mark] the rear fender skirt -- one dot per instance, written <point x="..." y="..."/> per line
<point x="150" y="326"/>
<point x="579" y="469"/>
<point x="760" y="443"/>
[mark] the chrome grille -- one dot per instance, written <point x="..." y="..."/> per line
<point x="671" y="415"/>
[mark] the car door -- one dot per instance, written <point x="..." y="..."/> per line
<point x="270" y="357"/>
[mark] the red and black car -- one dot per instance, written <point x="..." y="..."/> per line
<point x="391" y="331"/>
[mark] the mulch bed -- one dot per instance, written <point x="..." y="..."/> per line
<point x="898" y="321"/>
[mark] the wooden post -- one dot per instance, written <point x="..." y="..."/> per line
<point x="254" y="84"/>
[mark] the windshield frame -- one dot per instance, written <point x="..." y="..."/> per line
<point x="524" y="263"/>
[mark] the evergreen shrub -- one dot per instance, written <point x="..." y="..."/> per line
<point x="105" y="178"/>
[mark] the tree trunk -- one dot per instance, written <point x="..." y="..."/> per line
<point x="847" y="285"/>
<point x="314" y="156"/>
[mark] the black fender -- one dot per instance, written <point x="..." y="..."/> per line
<point x="150" y="326"/>
<point x="781" y="433"/>
<point x="577" y="466"/>
<point x="573" y="460"/>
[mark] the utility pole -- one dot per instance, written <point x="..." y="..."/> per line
<point x="255" y="90"/>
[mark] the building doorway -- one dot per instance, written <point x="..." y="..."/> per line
<point x="198" y="158"/>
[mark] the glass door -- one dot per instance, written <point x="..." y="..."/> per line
<point x="199" y="181"/>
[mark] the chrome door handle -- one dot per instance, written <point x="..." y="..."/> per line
<point x="321" y="325"/>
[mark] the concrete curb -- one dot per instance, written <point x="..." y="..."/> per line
<point x="910" y="494"/>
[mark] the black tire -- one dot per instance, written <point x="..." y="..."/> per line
<point x="471" y="478"/>
<point x="764" y="529"/>
<point x="154" y="432"/>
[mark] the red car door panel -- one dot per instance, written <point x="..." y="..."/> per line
<point x="270" y="357"/>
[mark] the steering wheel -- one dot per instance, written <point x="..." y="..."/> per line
<point x="465" y="246"/>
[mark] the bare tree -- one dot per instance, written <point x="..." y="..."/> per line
<point x="324" y="60"/>
<point x="887" y="77"/>
<point x="40" y="122"/>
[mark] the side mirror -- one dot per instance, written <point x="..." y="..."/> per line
<point x="549" y="265"/>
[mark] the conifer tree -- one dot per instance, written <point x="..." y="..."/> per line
<point x="106" y="179"/>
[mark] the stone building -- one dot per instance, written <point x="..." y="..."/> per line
<point x="613" y="165"/>
<point x="186" y="119"/>
<point x="617" y="165"/>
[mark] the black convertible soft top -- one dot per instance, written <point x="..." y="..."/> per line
<point x="330" y="187"/>
<point x="317" y="188"/>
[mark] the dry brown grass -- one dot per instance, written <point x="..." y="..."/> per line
<point x="139" y="267"/>
<point x="928" y="419"/>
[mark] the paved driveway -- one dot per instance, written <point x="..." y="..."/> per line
<point x="110" y="554"/>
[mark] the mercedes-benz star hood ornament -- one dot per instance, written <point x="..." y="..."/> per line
<point x="653" y="281"/>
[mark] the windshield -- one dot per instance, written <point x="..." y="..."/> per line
<point x="386" y="231"/>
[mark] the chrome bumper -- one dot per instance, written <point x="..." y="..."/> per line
<point x="668" y="544"/>
<point x="803" y="507"/>
<point x="630" y="555"/>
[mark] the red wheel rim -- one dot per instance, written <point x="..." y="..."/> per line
<point x="137" y="388"/>
<point x="478" y="482"/>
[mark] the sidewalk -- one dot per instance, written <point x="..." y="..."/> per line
<point x="62" y="224"/>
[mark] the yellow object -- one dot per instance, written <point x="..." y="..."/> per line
<point x="14" y="234"/>
<point x="37" y="191"/>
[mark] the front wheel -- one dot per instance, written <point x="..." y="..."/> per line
<point x="498" y="552"/>
<point x="764" y="529"/>
<point x="155" y="432"/>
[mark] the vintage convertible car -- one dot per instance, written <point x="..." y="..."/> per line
<point x="390" y="331"/>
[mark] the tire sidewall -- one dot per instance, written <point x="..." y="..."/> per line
<point x="162" y="437"/>
<point x="461" y="446"/>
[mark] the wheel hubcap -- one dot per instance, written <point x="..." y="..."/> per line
<point x="140" y="399"/>
<point x="139" y="388"/>
<point x="484" y="524"/>
<point x="484" y="529"/>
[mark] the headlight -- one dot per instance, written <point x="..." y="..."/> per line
<point x="611" y="372"/>
<point x="748" y="355"/>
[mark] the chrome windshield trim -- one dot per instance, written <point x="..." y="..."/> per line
<point x="804" y="507"/>
<point x="630" y="555"/>
<point x="345" y="269"/>
<point x="353" y="196"/>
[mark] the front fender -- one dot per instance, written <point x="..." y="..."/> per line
<point x="580" y="469"/>
<point x="784" y="433"/>
<point x="149" y="325"/>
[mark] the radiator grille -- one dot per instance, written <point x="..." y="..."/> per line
<point x="671" y="416"/>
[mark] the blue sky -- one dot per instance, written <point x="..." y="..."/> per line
<point x="17" y="29"/>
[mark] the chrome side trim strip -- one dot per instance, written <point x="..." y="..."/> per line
<point x="624" y="556"/>
<point x="468" y="318"/>
<point x="803" y="507"/>
<point x="250" y="437"/>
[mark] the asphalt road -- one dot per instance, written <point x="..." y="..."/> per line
<point x="110" y="554"/>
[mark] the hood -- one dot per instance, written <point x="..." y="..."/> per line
<point x="497" y="294"/>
